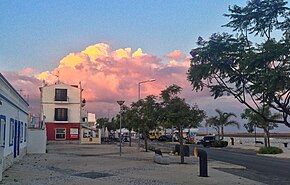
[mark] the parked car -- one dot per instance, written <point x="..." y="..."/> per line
<point x="166" y="138"/>
<point x="207" y="141"/>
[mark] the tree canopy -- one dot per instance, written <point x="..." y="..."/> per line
<point x="254" y="73"/>
<point x="221" y="121"/>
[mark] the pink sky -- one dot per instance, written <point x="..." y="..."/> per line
<point x="109" y="75"/>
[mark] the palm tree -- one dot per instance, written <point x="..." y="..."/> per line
<point x="260" y="122"/>
<point x="221" y="121"/>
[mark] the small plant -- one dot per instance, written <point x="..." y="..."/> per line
<point x="189" y="142"/>
<point x="270" y="150"/>
<point x="219" y="143"/>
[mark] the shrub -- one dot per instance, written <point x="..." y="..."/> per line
<point x="219" y="143"/>
<point x="189" y="142"/>
<point x="270" y="150"/>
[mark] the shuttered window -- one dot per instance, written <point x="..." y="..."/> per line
<point x="60" y="114"/>
<point x="60" y="94"/>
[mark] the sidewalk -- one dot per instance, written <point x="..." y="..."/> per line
<point x="73" y="164"/>
<point x="256" y="147"/>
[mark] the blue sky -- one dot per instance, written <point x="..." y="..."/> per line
<point x="38" y="34"/>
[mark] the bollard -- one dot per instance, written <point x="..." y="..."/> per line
<point x="232" y="141"/>
<point x="202" y="161"/>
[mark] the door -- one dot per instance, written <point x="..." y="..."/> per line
<point x="16" y="138"/>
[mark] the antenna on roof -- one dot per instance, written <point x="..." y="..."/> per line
<point x="57" y="76"/>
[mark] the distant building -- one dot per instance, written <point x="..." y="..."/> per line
<point x="61" y="111"/>
<point x="13" y="125"/>
<point x="89" y="133"/>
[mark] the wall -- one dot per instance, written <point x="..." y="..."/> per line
<point x="1" y="162"/>
<point x="90" y="140"/>
<point x="36" y="141"/>
<point x="52" y="126"/>
<point x="13" y="108"/>
<point x="73" y="104"/>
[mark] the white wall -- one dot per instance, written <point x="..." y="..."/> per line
<point x="12" y="112"/>
<point x="1" y="163"/>
<point x="73" y="104"/>
<point x="36" y="141"/>
<point x="13" y="107"/>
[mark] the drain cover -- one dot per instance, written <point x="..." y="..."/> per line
<point x="93" y="175"/>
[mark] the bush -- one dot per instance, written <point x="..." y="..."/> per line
<point x="189" y="142"/>
<point x="270" y="150"/>
<point x="219" y="143"/>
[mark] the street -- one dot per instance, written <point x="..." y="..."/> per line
<point x="264" y="169"/>
<point x="260" y="168"/>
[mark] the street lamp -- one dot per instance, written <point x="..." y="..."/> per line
<point x="120" y="103"/>
<point x="139" y="84"/>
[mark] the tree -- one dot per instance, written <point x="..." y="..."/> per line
<point x="254" y="73"/>
<point x="129" y="120"/>
<point x="145" y="111"/>
<point x="250" y="127"/>
<point x="257" y="120"/>
<point x="105" y="122"/>
<point x="221" y="121"/>
<point x="179" y="114"/>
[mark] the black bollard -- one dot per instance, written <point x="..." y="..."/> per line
<point x="202" y="161"/>
<point x="232" y="141"/>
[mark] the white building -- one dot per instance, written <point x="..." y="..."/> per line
<point x="89" y="133"/>
<point x="13" y="125"/>
<point x="61" y="111"/>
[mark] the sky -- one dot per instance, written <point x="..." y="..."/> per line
<point x="109" y="46"/>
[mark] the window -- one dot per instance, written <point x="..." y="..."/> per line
<point x="60" y="114"/>
<point x="2" y="130"/>
<point x="60" y="133"/>
<point x="21" y="132"/>
<point x="11" y="132"/>
<point x="60" y="94"/>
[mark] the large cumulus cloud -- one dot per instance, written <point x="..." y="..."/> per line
<point x="109" y="75"/>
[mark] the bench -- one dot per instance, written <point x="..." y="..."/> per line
<point x="159" y="158"/>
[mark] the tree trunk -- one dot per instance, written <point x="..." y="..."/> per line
<point x="146" y="142"/>
<point x="265" y="138"/>
<point x="268" y="138"/>
<point x="181" y="145"/>
<point x="130" y="138"/>
<point x="222" y="130"/>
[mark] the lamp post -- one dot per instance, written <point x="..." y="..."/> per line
<point x="139" y="84"/>
<point x="120" y="103"/>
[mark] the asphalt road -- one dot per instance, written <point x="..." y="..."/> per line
<point x="268" y="170"/>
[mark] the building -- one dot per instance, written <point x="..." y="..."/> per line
<point x="89" y="133"/>
<point x="13" y="125"/>
<point x="61" y="111"/>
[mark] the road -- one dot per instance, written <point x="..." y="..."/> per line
<point x="268" y="170"/>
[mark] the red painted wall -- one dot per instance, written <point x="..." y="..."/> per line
<point x="50" y="130"/>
